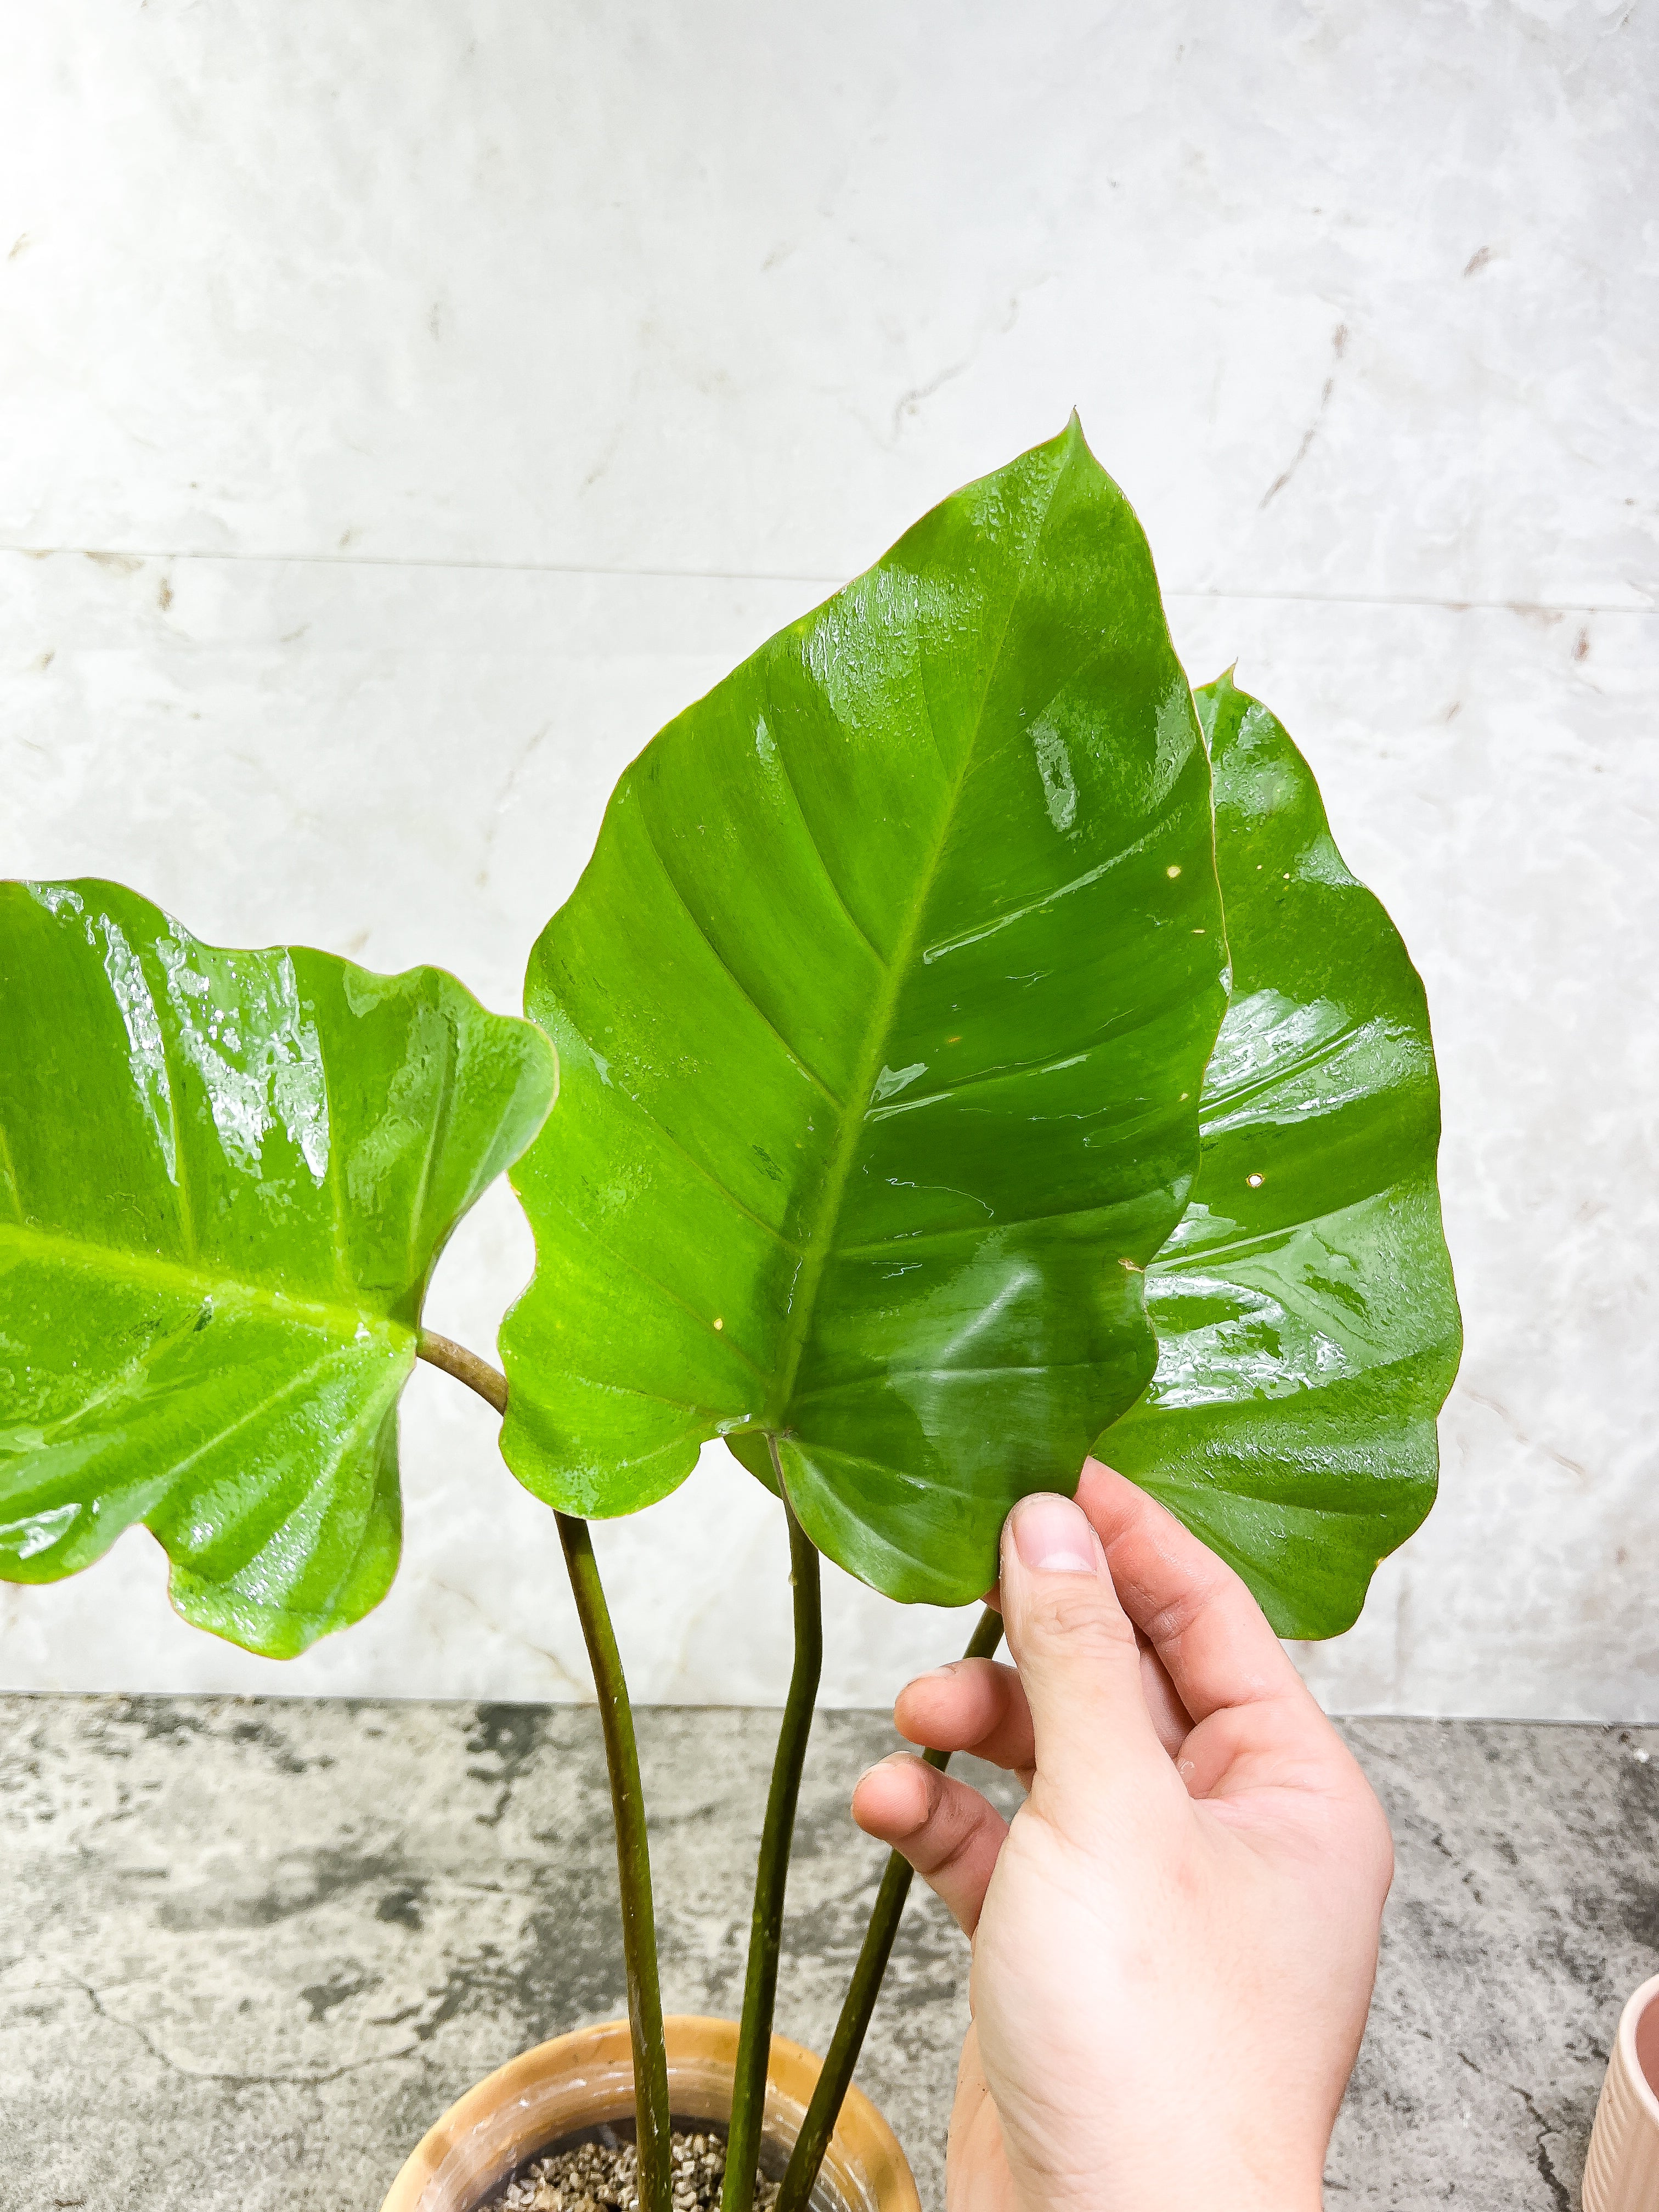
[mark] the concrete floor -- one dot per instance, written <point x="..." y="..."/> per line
<point x="249" y="1949"/>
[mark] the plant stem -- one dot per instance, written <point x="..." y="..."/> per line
<point x="633" y="1870"/>
<point x="627" y="1802"/>
<point x="465" y="1366"/>
<point x="766" y="1926"/>
<point x="848" y="2041"/>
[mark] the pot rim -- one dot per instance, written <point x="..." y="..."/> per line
<point x="1637" y="2004"/>
<point x="864" y="2149"/>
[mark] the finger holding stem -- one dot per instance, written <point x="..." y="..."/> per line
<point x="836" y="2077"/>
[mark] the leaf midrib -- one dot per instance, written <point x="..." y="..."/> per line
<point x="821" y="1243"/>
<point x="197" y="1282"/>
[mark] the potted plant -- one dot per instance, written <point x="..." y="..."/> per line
<point x="969" y="1047"/>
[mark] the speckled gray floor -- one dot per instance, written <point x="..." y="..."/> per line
<point x="248" y="1950"/>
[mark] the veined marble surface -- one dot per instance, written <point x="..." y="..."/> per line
<point x="291" y="1935"/>
<point x="407" y="410"/>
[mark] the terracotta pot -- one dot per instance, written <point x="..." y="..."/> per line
<point x="579" y="2080"/>
<point x="1621" y="2173"/>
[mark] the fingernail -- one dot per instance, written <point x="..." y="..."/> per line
<point x="1053" y="1536"/>
<point x="880" y="1763"/>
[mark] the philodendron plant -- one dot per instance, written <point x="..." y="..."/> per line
<point x="965" y="1049"/>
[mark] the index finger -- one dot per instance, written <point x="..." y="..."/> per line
<point x="1212" y="1636"/>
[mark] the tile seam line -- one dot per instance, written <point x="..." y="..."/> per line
<point x="1448" y="604"/>
<point x="234" y="1704"/>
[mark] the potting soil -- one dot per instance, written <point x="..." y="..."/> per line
<point x="603" y="2177"/>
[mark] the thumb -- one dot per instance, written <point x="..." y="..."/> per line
<point x="1075" y="1649"/>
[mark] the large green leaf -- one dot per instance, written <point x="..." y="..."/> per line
<point x="224" y="1179"/>
<point x="1307" y="1329"/>
<point x="882" y="1010"/>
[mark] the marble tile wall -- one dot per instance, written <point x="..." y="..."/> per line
<point x="404" y="410"/>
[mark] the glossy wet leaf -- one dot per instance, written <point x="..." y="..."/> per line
<point x="882" y="1011"/>
<point x="224" y="1179"/>
<point x="1307" y="1323"/>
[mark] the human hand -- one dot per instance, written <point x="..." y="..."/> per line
<point x="1175" y="1942"/>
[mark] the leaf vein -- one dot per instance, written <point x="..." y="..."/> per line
<point x="1017" y="1071"/>
<point x="326" y="1475"/>
<point x="817" y="854"/>
<point x="906" y="1238"/>
<point x="644" y="1276"/>
<point x="135" y="1368"/>
<point x="8" y="1174"/>
<point x="437" y="1134"/>
<point x="821" y="1243"/>
<point x="1097" y="874"/>
<point x="738" y="985"/>
<point x="166" y="1028"/>
<point x="196" y="1281"/>
<point x="267" y="1404"/>
<point x="887" y="1375"/>
<point x="708" y="1174"/>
